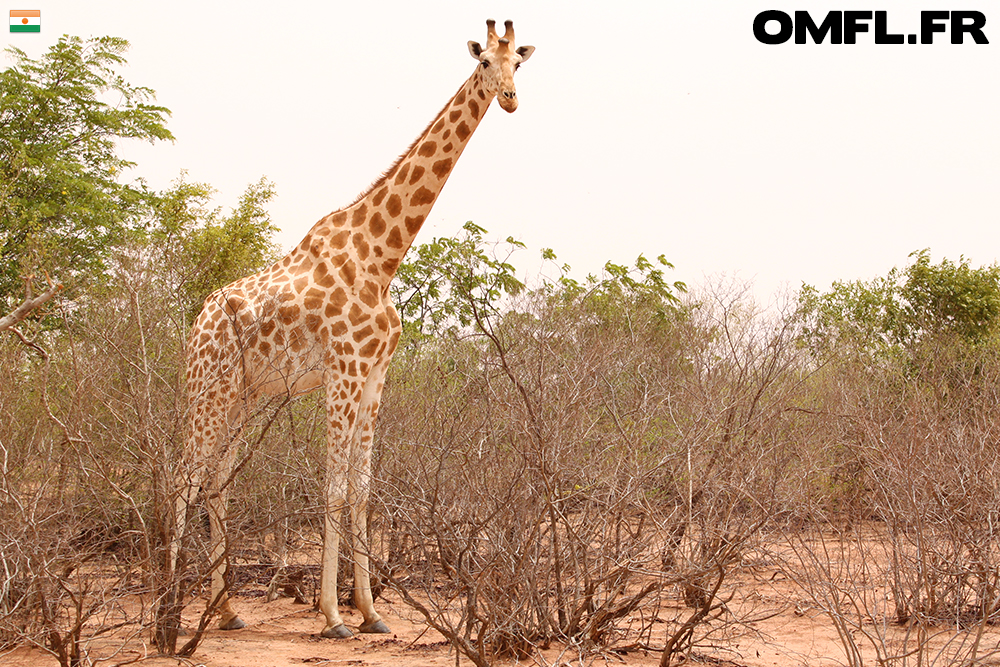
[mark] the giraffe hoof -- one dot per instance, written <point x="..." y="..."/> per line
<point x="235" y="623"/>
<point x="378" y="627"/>
<point x="337" y="632"/>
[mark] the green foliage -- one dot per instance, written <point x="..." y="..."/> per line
<point x="866" y="315"/>
<point x="446" y="284"/>
<point x="62" y="203"/>
<point x="640" y="288"/>
<point x="952" y="298"/>
<point x="892" y="314"/>
<point x="212" y="249"/>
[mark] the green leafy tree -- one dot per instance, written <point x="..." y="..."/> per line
<point x="444" y="283"/>
<point x="892" y="314"/>
<point x="449" y="284"/>
<point x="952" y="298"/>
<point x="63" y="203"/>
<point x="210" y="249"/>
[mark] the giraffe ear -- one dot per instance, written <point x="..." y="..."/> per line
<point x="475" y="49"/>
<point x="525" y="52"/>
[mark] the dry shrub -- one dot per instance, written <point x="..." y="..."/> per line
<point x="87" y="456"/>
<point x="929" y="448"/>
<point x="911" y="562"/>
<point x="552" y="476"/>
<point x="569" y="468"/>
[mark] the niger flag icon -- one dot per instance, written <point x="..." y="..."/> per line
<point x="25" y="20"/>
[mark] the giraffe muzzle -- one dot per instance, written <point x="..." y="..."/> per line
<point x="508" y="100"/>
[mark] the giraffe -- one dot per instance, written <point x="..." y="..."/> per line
<point x="322" y="317"/>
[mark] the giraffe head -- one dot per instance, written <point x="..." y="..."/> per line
<point x="499" y="60"/>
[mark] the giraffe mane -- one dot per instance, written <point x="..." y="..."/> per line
<point x="392" y="169"/>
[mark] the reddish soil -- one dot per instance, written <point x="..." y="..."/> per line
<point x="789" y="632"/>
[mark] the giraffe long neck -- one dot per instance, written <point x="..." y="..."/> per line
<point x="384" y="222"/>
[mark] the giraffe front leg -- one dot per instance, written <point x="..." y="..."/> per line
<point x="363" y="598"/>
<point x="335" y="628"/>
<point x="340" y="415"/>
<point x="359" y="484"/>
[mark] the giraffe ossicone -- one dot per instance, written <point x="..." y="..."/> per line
<point x="322" y="317"/>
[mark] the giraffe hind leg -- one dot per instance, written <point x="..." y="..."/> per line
<point x="210" y="453"/>
<point x="218" y="512"/>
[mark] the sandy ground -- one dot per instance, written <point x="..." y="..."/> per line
<point x="787" y="632"/>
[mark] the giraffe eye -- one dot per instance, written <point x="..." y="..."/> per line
<point x="485" y="64"/>
<point x="517" y="67"/>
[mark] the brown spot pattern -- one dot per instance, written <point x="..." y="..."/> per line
<point x="442" y="167"/>
<point x="356" y="315"/>
<point x="361" y="244"/>
<point x="348" y="272"/>
<point x="339" y="240"/>
<point x="322" y="276"/>
<point x="288" y="314"/>
<point x="377" y="225"/>
<point x="455" y="115"/>
<point x="314" y="299"/>
<point x="394" y="205"/>
<point x="379" y="196"/>
<point x="422" y="197"/>
<point x="427" y="149"/>
<point x="413" y="224"/>
<point x="339" y="299"/>
<point x="369" y="294"/>
<point x="233" y="305"/>
<point x="361" y="334"/>
<point x="395" y="239"/>
<point x="360" y="215"/>
<point x="403" y="171"/>
<point x="463" y="131"/>
<point x="418" y="173"/>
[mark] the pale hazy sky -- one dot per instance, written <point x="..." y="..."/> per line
<point x="653" y="127"/>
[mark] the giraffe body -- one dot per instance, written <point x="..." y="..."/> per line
<point x="322" y="317"/>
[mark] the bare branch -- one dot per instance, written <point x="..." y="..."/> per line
<point x="29" y="304"/>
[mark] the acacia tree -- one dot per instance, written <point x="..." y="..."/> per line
<point x="63" y="201"/>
